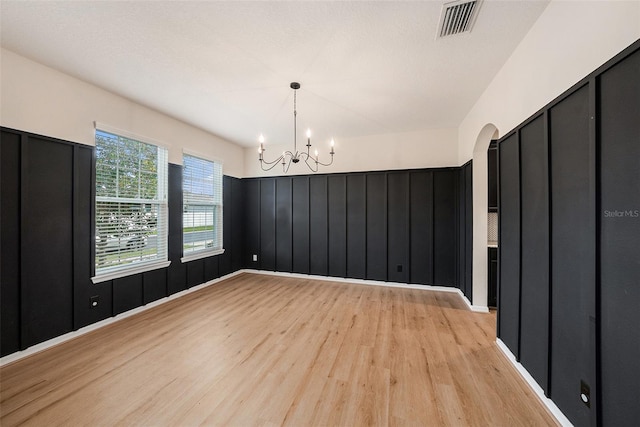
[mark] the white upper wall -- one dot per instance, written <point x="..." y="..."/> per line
<point x="409" y="150"/>
<point x="569" y="41"/>
<point x="39" y="99"/>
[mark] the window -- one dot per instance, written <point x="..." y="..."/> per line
<point x="202" y="208"/>
<point x="131" y="206"/>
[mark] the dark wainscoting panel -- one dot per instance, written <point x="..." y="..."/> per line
<point x="398" y="223"/>
<point x="154" y="285"/>
<point x="356" y="226"/>
<point x="268" y="224"/>
<point x="47" y="240"/>
<point x="534" y="267"/>
<point x="509" y="249"/>
<point x="579" y="334"/>
<point x="572" y="253"/>
<point x="422" y="227"/>
<point x="284" y="256"/>
<point x="377" y="226"/>
<point x="445" y="227"/>
<point x="195" y="272"/>
<point x="318" y="226"/>
<point x="236" y="249"/>
<point x="10" y="231"/>
<point x="365" y="225"/>
<point x="300" y="221"/>
<point x="127" y="293"/>
<point x="251" y="193"/>
<point x="337" y="196"/>
<point x="620" y="237"/>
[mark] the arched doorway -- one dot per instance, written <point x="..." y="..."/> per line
<point x="480" y="214"/>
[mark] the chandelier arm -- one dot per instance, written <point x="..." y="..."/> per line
<point x="327" y="164"/>
<point x="310" y="166"/>
<point x="273" y="164"/>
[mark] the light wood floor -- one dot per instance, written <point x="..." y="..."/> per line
<point x="265" y="350"/>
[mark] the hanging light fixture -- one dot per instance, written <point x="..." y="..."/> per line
<point x="294" y="156"/>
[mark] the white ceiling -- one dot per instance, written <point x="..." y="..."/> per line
<point x="365" y="67"/>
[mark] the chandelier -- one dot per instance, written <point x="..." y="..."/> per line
<point x="294" y="156"/>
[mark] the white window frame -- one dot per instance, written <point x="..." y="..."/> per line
<point x="204" y="253"/>
<point x="110" y="273"/>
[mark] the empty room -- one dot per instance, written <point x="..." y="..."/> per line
<point x="320" y="213"/>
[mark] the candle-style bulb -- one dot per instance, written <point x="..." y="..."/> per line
<point x="308" y="133"/>
<point x="332" y="142"/>
<point x="261" y="139"/>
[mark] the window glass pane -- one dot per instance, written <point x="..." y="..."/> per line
<point x="131" y="205"/>
<point x="202" y="205"/>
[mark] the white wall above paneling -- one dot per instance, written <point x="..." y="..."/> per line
<point x="409" y="150"/>
<point x="38" y="99"/>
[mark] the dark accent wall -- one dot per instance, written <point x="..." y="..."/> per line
<point x="46" y="259"/>
<point x="569" y="267"/>
<point x="389" y="226"/>
<point x="619" y="226"/>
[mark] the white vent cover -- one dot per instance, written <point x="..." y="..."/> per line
<point x="457" y="17"/>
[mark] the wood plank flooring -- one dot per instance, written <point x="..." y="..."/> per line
<point x="266" y="350"/>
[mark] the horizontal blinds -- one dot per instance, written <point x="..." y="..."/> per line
<point x="131" y="202"/>
<point x="202" y="205"/>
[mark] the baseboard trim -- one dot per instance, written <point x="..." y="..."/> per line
<point x="471" y="307"/>
<point x="14" y="357"/>
<point x="535" y="387"/>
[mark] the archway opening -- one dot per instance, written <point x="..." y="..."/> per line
<point x="480" y="214"/>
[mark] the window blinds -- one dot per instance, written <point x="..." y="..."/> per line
<point x="131" y="203"/>
<point x="202" y="205"/>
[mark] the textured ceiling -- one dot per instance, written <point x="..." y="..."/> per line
<point x="365" y="67"/>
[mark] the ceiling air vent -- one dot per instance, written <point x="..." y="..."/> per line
<point x="457" y="17"/>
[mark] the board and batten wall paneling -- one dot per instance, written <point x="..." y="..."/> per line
<point x="268" y="224"/>
<point x="445" y="226"/>
<point x="534" y="273"/>
<point x="236" y="250"/>
<point x="251" y="220"/>
<point x="572" y="253"/>
<point x="83" y="245"/>
<point x="284" y="244"/>
<point x="300" y="223"/>
<point x="421" y="265"/>
<point x="318" y="226"/>
<point x="47" y="240"/>
<point x="509" y="248"/>
<point x="10" y="231"/>
<point x="619" y="242"/>
<point x="337" y="197"/>
<point x="398" y="222"/>
<point x="377" y="226"/>
<point x="356" y="226"/>
<point x="47" y="224"/>
<point x="224" y="259"/>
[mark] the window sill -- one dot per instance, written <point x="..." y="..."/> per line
<point x="110" y="275"/>
<point x="200" y="255"/>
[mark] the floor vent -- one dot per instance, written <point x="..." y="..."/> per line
<point x="457" y="17"/>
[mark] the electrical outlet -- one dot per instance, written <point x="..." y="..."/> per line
<point x="93" y="301"/>
<point x="255" y="257"/>
<point x="399" y="268"/>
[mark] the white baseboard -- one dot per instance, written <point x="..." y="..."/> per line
<point x="551" y="406"/>
<point x="13" y="357"/>
<point x="476" y="308"/>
